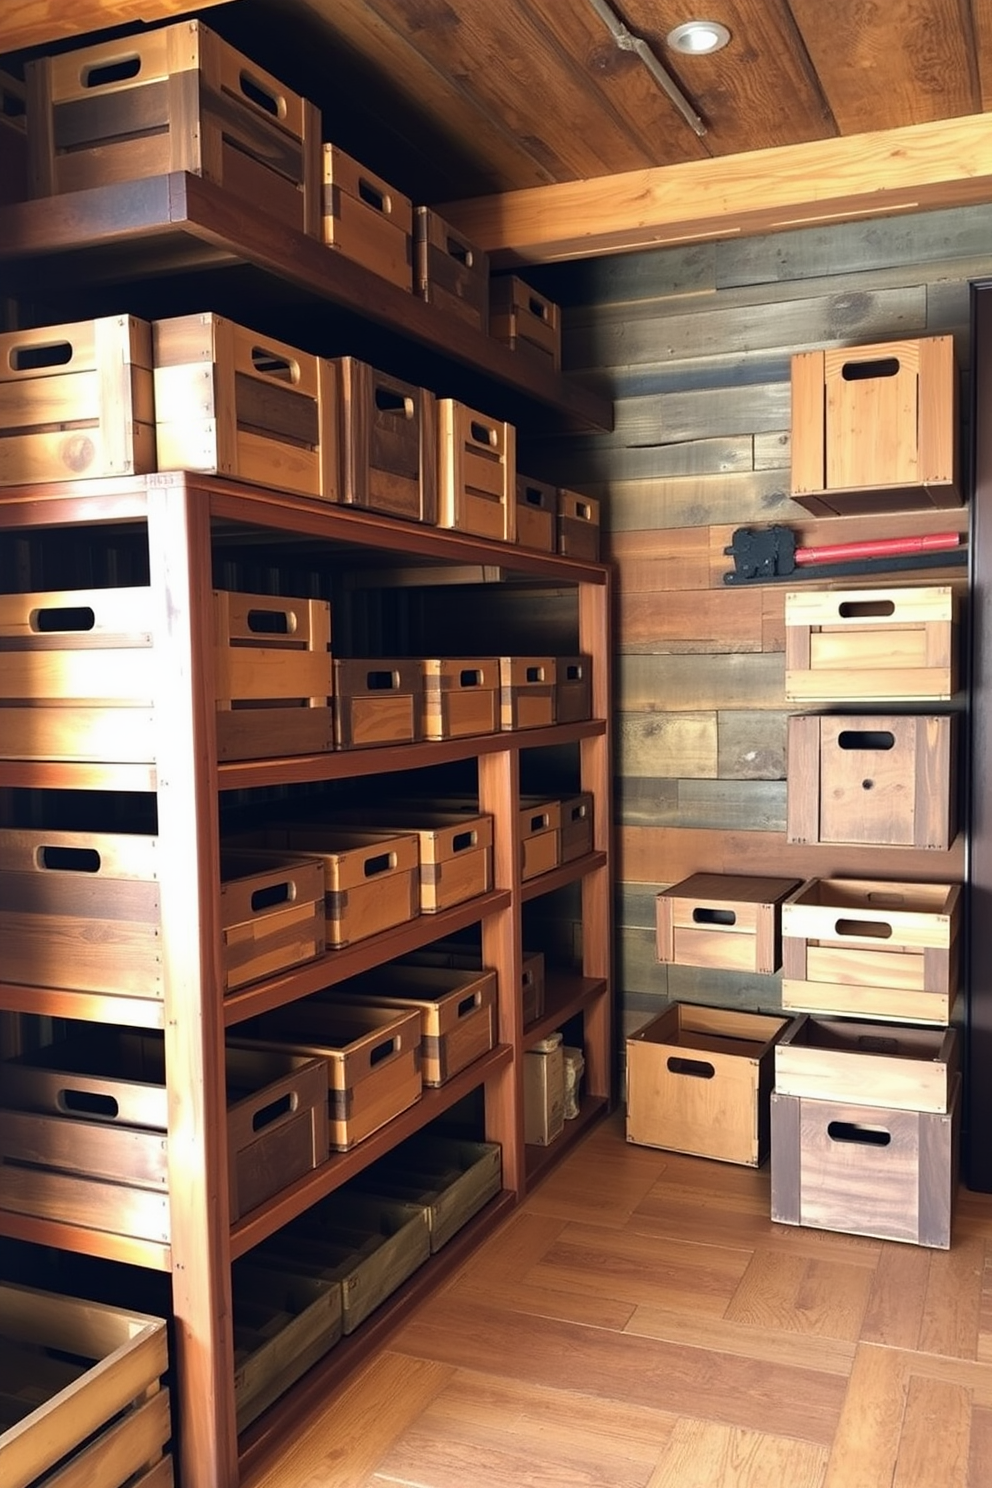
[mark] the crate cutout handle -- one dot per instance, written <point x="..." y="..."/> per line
<point x="863" y="371"/>
<point x="878" y="1043"/>
<point x="583" y="511"/>
<point x="55" y="618"/>
<point x="866" y="739"/>
<point x="35" y="358"/>
<point x="372" y="196"/>
<point x="483" y="433"/>
<point x="58" y="859"/>
<point x="469" y="1004"/>
<point x="463" y="840"/>
<point x="388" y="400"/>
<point x="705" y="916"/>
<point x="574" y="671"/>
<point x="269" y="363"/>
<point x="534" y="674"/>
<point x="864" y="1136"/>
<point x="699" y="1069"/>
<point x="579" y="811"/>
<point x="380" y="863"/>
<point x="261" y="95"/>
<point x="385" y="1050"/>
<point x="382" y="681"/>
<point x="271" y="622"/>
<point x="270" y="895"/>
<point x="111" y="70"/>
<point x="540" y="820"/>
<point x="869" y="929"/>
<point x="283" y="1105"/>
<point x="460" y="252"/>
<point x="537" y="307"/>
<point x="470" y="677"/>
<point x="533" y="496"/>
<point x="866" y="609"/>
<point x="100" y="1106"/>
<point x="887" y="898"/>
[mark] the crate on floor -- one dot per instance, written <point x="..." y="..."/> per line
<point x="377" y="701"/>
<point x="524" y="320"/>
<point x="77" y="401"/>
<point x="461" y="696"/>
<point x="283" y="1323"/>
<point x="578" y="526"/>
<point x="387" y="438"/>
<point x="449" y="271"/>
<point x="699" y="1081"/>
<point x="174" y="99"/>
<point x="573" y="689"/>
<point x="895" y="1065"/>
<point x="476" y="473"/>
<point x="865" y="948"/>
<point x="85" y="1394"/>
<point x="725" y="921"/>
<point x="366" y="219"/>
<point x="271" y="912"/>
<point x="451" y="1179"/>
<point x="885" y="781"/>
<point x="527" y="691"/>
<point x="537" y="514"/>
<point x="884" y="1171"/>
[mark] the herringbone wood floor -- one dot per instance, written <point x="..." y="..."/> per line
<point x="640" y="1323"/>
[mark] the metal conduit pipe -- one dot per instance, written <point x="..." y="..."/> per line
<point x="626" y="41"/>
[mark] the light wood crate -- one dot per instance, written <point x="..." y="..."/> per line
<point x="874" y="428"/>
<point x="537" y="514"/>
<point x="884" y="780"/>
<point x="699" y="1081"/>
<point x="578" y="526"/>
<point x="371" y="881"/>
<point x="540" y="835"/>
<point x="525" y="320"/>
<point x="387" y="437"/>
<point x="174" y="99"/>
<point x="451" y="1179"/>
<point x="573" y="689"/>
<point x="896" y="1065"/>
<point x="871" y="949"/>
<point x="85" y="1398"/>
<point x="577" y="823"/>
<point x="377" y="702"/>
<point x="544" y="1091"/>
<point x="13" y="141"/>
<point x="723" y="920"/>
<point x="283" y="1323"/>
<point x="449" y="271"/>
<point x="843" y="644"/>
<point x="527" y="689"/>
<point x="460" y="696"/>
<point x="231" y="401"/>
<point x="366" y="219"/>
<point x="865" y="1169"/>
<point x="273" y="673"/>
<point x="372" y="1058"/>
<point x="272" y="913"/>
<point x="469" y="958"/>
<point x="455" y="848"/>
<point x="83" y="1133"/>
<point x="477" y="473"/>
<point x="77" y="401"/>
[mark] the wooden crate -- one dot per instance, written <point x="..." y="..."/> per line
<point x="865" y="1169"/>
<point x="544" y="1091"/>
<point x="85" y="1397"/>
<point x="457" y="1009"/>
<point x="723" y="920"/>
<point x="843" y="644"/>
<point x="273" y="674"/>
<point x="13" y="141"/>
<point x="699" y="1080"/>
<point x="377" y="702"/>
<point x="527" y="686"/>
<point x="449" y="271"/>
<point x="456" y="848"/>
<point x="272" y="912"/>
<point x="540" y="836"/>
<point x="174" y="99"/>
<point x="77" y="401"/>
<point x="576" y="826"/>
<point x="887" y="781"/>
<point x="283" y="1323"/>
<point x="901" y="1066"/>
<point x="578" y="526"/>
<point x="537" y="514"/>
<point x="469" y="958"/>
<point x="476" y="473"/>
<point x="387" y="437"/>
<point x="872" y="950"/>
<point x="371" y="1058"/>
<point x="875" y="428"/>
<point x="525" y="320"/>
<point x="371" y="881"/>
<point x="450" y="1179"/>
<point x="532" y="984"/>
<point x="230" y="401"/>
<point x="573" y="689"/>
<point x="83" y="1135"/>
<point x="366" y="219"/>
<point x="77" y="675"/>
<point x="460" y="696"/>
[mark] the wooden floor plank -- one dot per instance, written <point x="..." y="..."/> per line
<point x="798" y="1294"/>
<point x="760" y="1344"/>
<point x="980" y="1449"/>
<point x="867" y="1441"/>
<point x="704" y="1455"/>
<point x="935" y="1441"/>
<point x="898" y="1296"/>
<point x="953" y="1300"/>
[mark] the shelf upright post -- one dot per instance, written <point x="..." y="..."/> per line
<point x="596" y="771"/>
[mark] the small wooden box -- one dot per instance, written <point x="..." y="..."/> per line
<point x="84" y="1393"/>
<point x="544" y="1091"/>
<point x="377" y="701"/>
<point x="865" y="1170"/>
<point x="272" y="913"/>
<point x="366" y="219"/>
<point x="452" y="1180"/>
<point x="525" y="320"/>
<point x="371" y="1056"/>
<point x="887" y="781"/>
<point x="460" y="696"/>
<point x="283" y="1323"/>
<point x="578" y="526"/>
<point x="874" y="428"/>
<point x="449" y="272"/>
<point x="842" y="644"/>
<point x="699" y="1079"/>
<point x="723" y="920"/>
<point x="909" y="1068"/>
<point x="872" y="950"/>
<point x="573" y="689"/>
<point x="387" y="435"/>
<point x="540" y="836"/>
<point x="469" y="958"/>
<point x="174" y="99"/>
<point x="537" y="514"/>
<point x="371" y="880"/>
<point x="13" y="141"/>
<point x="77" y="401"/>
<point x="532" y="985"/>
<point x="456" y="849"/>
<point x="576" y="826"/>
<point x="527" y="687"/>
<point x="477" y="473"/>
<point x="229" y="401"/>
<point x="457" y="1009"/>
<point x="273" y="675"/>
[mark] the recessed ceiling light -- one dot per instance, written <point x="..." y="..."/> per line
<point x="698" y="37"/>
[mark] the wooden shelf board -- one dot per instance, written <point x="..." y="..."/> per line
<point x="83" y="1241"/>
<point x="90" y="1007"/>
<point x="541" y="1160"/>
<point x="76" y="775"/>
<point x="68" y="503"/>
<point x="255" y="1227"/>
<point x="565" y="873"/>
<point x="565" y="994"/>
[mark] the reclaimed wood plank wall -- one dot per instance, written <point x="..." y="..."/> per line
<point x="695" y="345"/>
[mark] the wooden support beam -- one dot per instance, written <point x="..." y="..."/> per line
<point x="919" y="167"/>
<point x="27" y="23"/>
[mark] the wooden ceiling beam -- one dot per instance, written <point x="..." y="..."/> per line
<point x="918" y="167"/>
